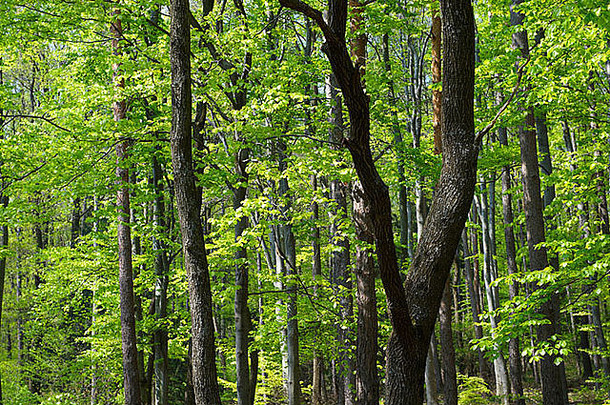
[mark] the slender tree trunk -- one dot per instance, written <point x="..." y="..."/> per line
<point x="406" y="250"/>
<point x="340" y="257"/>
<point x="316" y="273"/>
<point x="514" y="351"/>
<point x="450" y="388"/>
<point x="160" y="342"/>
<point x="491" y="293"/>
<point x="188" y="204"/>
<point x="242" y="314"/>
<point x="4" y="200"/>
<point x="286" y="258"/>
<point x="131" y="381"/>
<point x="436" y="78"/>
<point x="553" y="376"/>
<point x="475" y="306"/>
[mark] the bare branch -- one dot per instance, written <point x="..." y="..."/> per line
<point x="489" y="126"/>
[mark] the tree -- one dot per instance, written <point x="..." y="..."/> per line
<point x="128" y="321"/>
<point x="188" y="204"/>
<point x="412" y="308"/>
<point x="553" y="375"/>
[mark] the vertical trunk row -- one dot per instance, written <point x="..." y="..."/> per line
<point x="131" y="380"/>
<point x="188" y="204"/>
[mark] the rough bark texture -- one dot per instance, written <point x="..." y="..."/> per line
<point x="367" y="381"/>
<point x="436" y="78"/>
<point x="553" y="377"/>
<point x="412" y="308"/>
<point x="188" y="205"/>
<point x="131" y="382"/>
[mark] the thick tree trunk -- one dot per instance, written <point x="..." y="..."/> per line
<point x="131" y="381"/>
<point x="413" y="307"/>
<point x="188" y="204"/>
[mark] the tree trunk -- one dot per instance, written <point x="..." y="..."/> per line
<point x="366" y="382"/>
<point x="242" y="314"/>
<point x="131" y="381"/>
<point x="514" y="351"/>
<point x="4" y="200"/>
<point x="188" y="204"/>
<point x="160" y="292"/>
<point x="413" y="307"/>
<point x="553" y="376"/>
<point x="317" y="385"/>
<point x="491" y="293"/>
<point x="340" y="257"/>
<point x="286" y="259"/>
<point x="450" y="388"/>
<point x="475" y="306"/>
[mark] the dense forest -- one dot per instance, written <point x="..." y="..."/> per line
<point x="351" y="202"/>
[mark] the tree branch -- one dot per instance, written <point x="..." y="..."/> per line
<point x="314" y="14"/>
<point x="489" y="126"/>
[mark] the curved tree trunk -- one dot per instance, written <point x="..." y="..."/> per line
<point x="413" y="307"/>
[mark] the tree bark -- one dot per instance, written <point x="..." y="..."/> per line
<point x="450" y="389"/>
<point x="131" y="381"/>
<point x="553" y="376"/>
<point x="366" y="381"/>
<point x="340" y="257"/>
<point x="188" y="204"/>
<point x="160" y="299"/>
